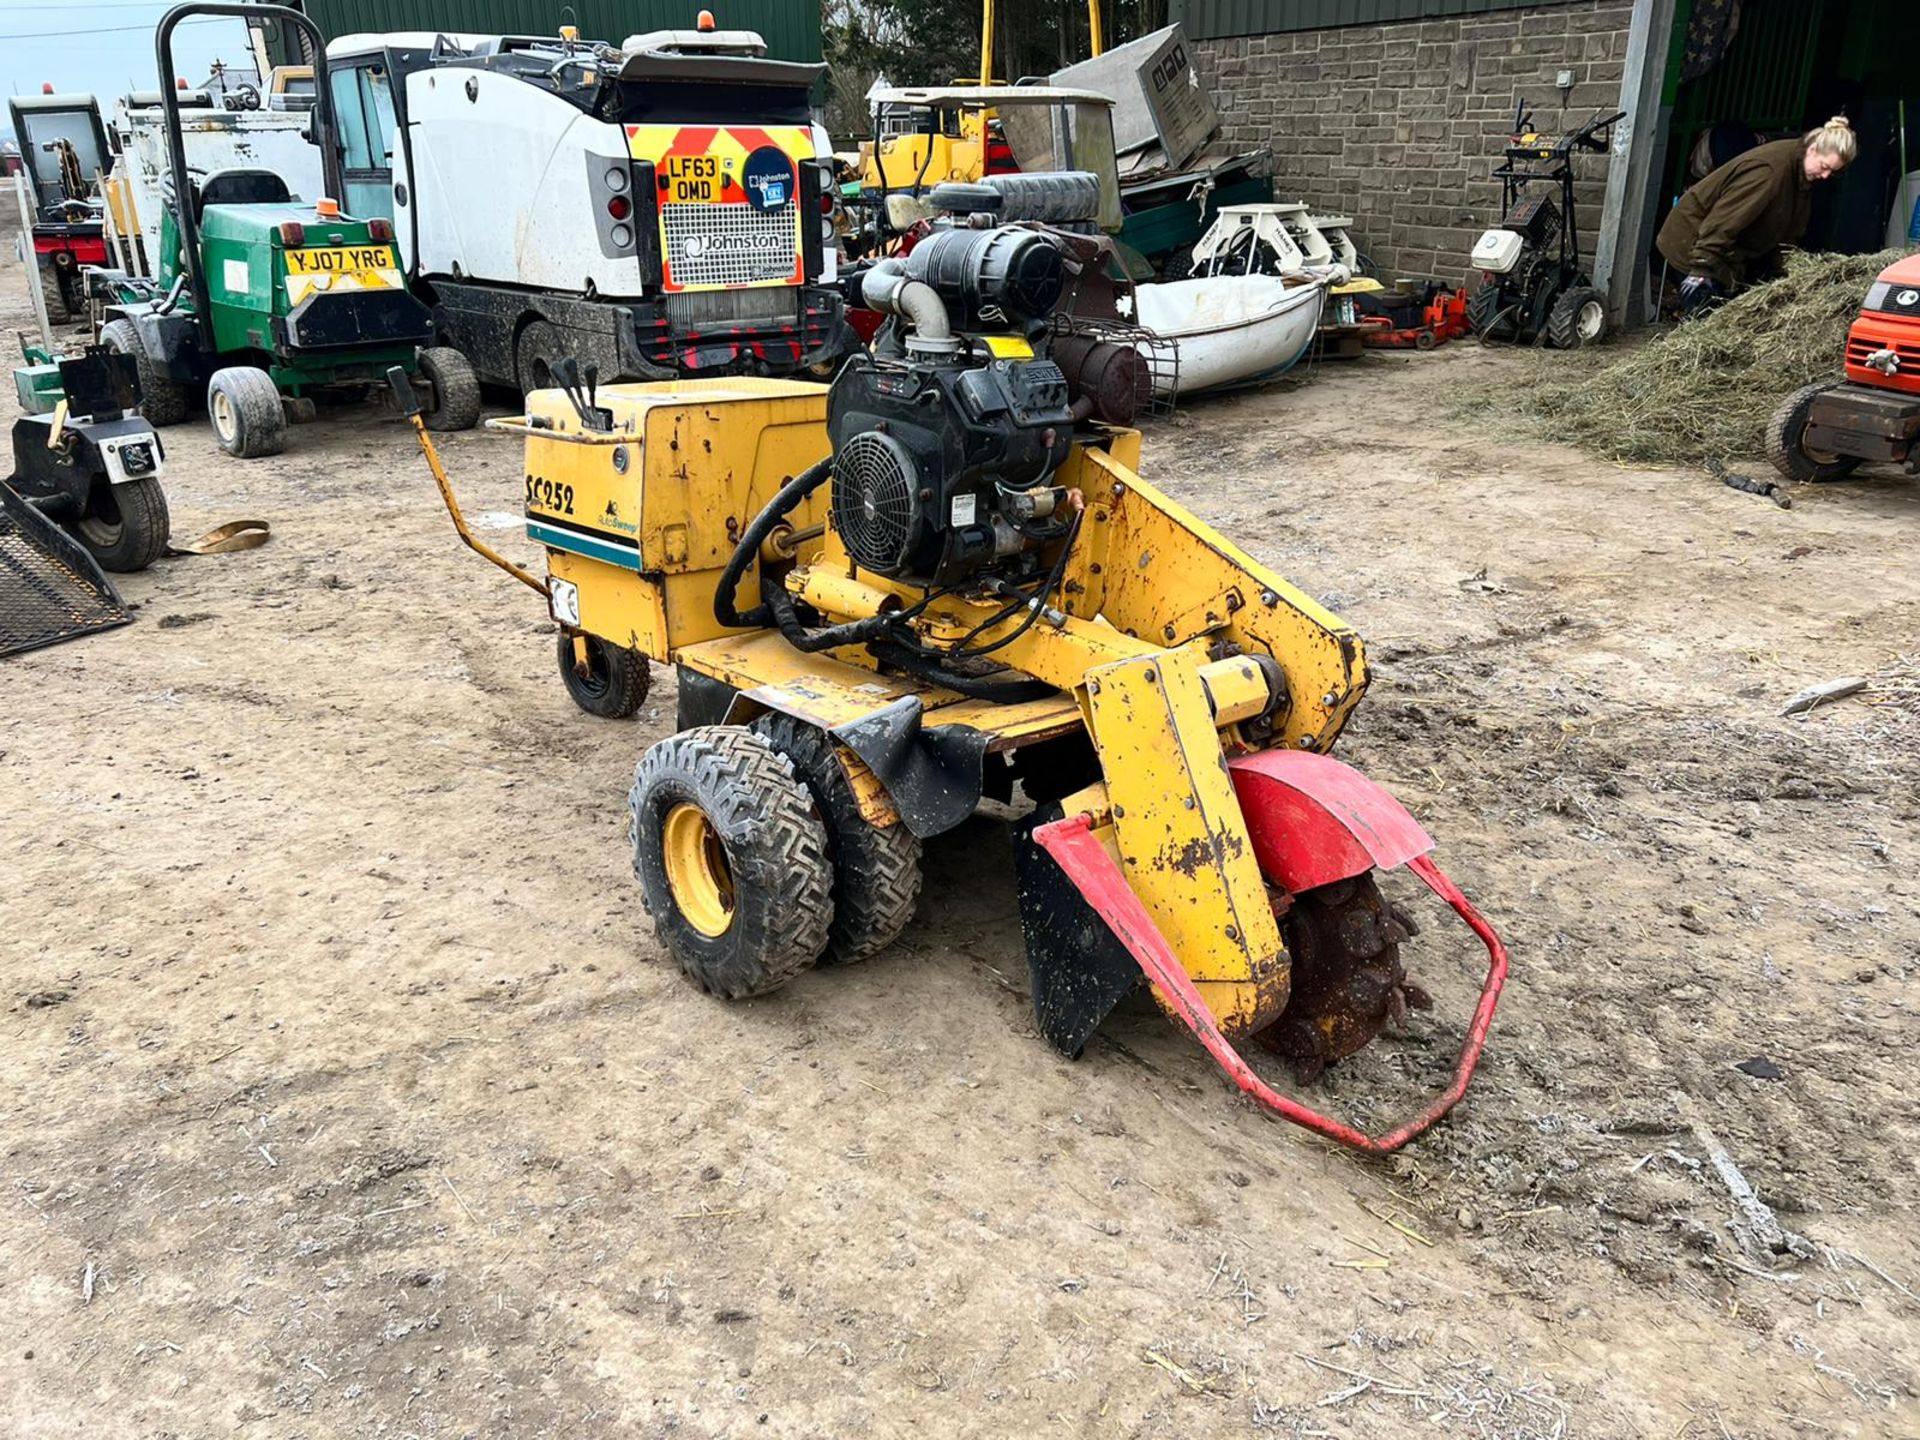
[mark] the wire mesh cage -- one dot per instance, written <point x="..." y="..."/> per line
<point x="1158" y="378"/>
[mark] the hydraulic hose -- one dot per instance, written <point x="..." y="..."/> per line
<point x="811" y="642"/>
<point x="757" y="531"/>
<point x="1000" y="692"/>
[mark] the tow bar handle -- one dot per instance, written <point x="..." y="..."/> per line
<point x="410" y="407"/>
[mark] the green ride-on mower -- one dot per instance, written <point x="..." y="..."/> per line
<point x="261" y="302"/>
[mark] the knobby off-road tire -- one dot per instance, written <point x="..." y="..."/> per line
<point x="125" y="527"/>
<point x="456" y="389"/>
<point x="53" y="290"/>
<point x="617" y="679"/>
<point x="243" y="405"/>
<point x="1786" y="440"/>
<point x="163" y="400"/>
<point x="1578" y="317"/>
<point x="876" y="871"/>
<point x="1486" y="316"/>
<point x="732" y="860"/>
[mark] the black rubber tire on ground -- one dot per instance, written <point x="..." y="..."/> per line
<point x="1485" y="314"/>
<point x="759" y="873"/>
<point x="1786" y="440"/>
<point x="55" y="294"/>
<point x="1578" y="317"/>
<point x="163" y="400"/>
<point x="538" y="346"/>
<point x="456" y="389"/>
<point x="876" y="871"/>
<point x="617" y="679"/>
<point x="244" y="407"/>
<point x="125" y="527"/>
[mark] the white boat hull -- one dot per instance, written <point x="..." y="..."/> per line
<point x="1225" y="330"/>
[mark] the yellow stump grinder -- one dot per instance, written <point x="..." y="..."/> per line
<point x="938" y="578"/>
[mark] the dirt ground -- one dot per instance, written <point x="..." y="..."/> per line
<point x="346" y="1091"/>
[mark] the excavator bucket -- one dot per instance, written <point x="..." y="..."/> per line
<point x="1313" y="822"/>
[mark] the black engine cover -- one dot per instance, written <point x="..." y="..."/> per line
<point x="919" y="446"/>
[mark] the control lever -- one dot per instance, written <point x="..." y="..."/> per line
<point x="566" y="373"/>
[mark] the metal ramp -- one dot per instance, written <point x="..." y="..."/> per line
<point x="50" y="588"/>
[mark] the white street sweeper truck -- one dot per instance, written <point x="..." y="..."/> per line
<point x="654" y="210"/>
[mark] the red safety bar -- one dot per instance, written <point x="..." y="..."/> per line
<point x="1086" y="862"/>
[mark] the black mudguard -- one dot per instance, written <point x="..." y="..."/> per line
<point x="1077" y="967"/>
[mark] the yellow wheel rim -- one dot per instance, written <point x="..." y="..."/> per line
<point x="697" y="870"/>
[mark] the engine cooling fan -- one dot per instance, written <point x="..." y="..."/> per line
<point x="873" y="505"/>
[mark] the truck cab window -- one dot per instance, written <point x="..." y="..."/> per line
<point x="377" y="97"/>
<point x="350" y="116"/>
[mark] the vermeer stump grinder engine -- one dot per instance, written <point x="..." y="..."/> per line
<point x="894" y="597"/>
<point x="1826" y="430"/>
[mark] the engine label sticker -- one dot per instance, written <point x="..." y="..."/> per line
<point x="237" y="276"/>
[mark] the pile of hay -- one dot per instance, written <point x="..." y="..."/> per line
<point x="1705" y="390"/>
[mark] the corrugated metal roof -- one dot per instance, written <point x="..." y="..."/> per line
<point x="1212" y="19"/>
<point x="791" y="28"/>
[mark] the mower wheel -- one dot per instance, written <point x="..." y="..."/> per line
<point x="732" y="860"/>
<point x="163" y="400"/>
<point x="125" y="527"/>
<point x="876" y="870"/>
<point x="539" y="345"/>
<point x="1787" y="436"/>
<point x="248" y="419"/>
<point x="1578" y="317"/>
<point x="456" y="389"/>
<point x="53" y="290"/>
<point x="1486" y="316"/>
<point x="615" y="682"/>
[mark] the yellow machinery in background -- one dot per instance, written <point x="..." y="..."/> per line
<point x="959" y="137"/>
<point x="943" y="580"/>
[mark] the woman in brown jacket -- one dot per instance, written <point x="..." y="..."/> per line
<point x="1728" y="230"/>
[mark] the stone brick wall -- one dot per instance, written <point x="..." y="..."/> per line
<point x="1401" y="125"/>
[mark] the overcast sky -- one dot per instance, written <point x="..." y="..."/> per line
<point x="104" y="48"/>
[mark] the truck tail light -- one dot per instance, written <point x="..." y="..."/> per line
<point x="293" y="233"/>
<point x="380" y="229"/>
<point x="619" y="207"/>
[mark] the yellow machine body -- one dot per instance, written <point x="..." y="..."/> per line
<point x="915" y="162"/>
<point x="1158" y="649"/>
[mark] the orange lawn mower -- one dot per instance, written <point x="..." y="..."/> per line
<point x="1826" y="430"/>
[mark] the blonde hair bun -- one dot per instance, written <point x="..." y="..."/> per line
<point x="1835" y="138"/>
